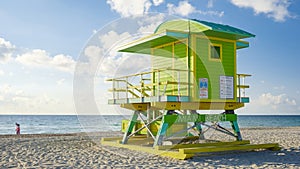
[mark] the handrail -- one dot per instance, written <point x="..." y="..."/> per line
<point x="241" y="85"/>
<point x="143" y="88"/>
<point x="148" y="72"/>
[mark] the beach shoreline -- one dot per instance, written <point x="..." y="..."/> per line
<point x="83" y="150"/>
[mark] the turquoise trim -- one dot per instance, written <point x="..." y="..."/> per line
<point x="240" y="45"/>
<point x="177" y="34"/>
<point x="225" y="29"/>
<point x="167" y="98"/>
<point x="243" y="99"/>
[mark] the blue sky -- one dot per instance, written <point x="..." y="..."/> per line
<point x="40" y="42"/>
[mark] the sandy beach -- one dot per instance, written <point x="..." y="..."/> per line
<point x="83" y="150"/>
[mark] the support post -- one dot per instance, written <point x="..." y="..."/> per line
<point x="130" y="127"/>
<point x="236" y="130"/>
<point x="158" y="86"/>
<point x="189" y="60"/>
<point x="114" y="89"/>
<point x="127" y="100"/>
<point x="239" y="81"/>
<point x="148" y="118"/>
<point x="198" y="126"/>
<point x="161" y="132"/>
<point x="178" y="87"/>
<point x="149" y="133"/>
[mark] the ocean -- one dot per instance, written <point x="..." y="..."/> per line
<point x="59" y="124"/>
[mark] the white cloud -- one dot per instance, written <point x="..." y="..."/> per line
<point x="112" y="39"/>
<point x="6" y="50"/>
<point x="29" y="94"/>
<point x="131" y="64"/>
<point x="110" y="61"/>
<point x="108" y="66"/>
<point x="60" y="82"/>
<point x="63" y="62"/>
<point x="93" y="53"/>
<point x="1" y="72"/>
<point x="130" y="8"/>
<point x="35" y="57"/>
<point x="104" y="55"/>
<point x="40" y="58"/>
<point x="184" y="8"/>
<point x="6" y="88"/>
<point x="268" y="103"/>
<point x="210" y="3"/>
<point x="149" y="19"/>
<point x="19" y="92"/>
<point x="11" y="95"/>
<point x="104" y="58"/>
<point x="20" y="100"/>
<point x="139" y="7"/>
<point x="87" y="64"/>
<point x="157" y="2"/>
<point x="148" y="29"/>
<point x="6" y="44"/>
<point x="123" y="64"/>
<point x="211" y="13"/>
<point x="276" y="9"/>
<point x="148" y="24"/>
<point x="279" y="87"/>
<point x="267" y="99"/>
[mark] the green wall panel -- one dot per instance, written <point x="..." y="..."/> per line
<point x="212" y="69"/>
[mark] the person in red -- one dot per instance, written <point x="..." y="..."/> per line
<point x="18" y="129"/>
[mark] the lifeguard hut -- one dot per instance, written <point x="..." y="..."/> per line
<point x="193" y="68"/>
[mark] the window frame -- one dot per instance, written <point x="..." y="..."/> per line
<point x="210" y="52"/>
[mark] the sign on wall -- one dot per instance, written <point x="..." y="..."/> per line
<point x="226" y="87"/>
<point x="203" y="88"/>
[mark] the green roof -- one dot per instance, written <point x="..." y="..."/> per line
<point x="174" y="30"/>
<point x="226" y="29"/>
<point x="207" y="28"/>
<point x="145" y="44"/>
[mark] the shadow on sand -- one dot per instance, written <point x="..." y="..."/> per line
<point x="289" y="157"/>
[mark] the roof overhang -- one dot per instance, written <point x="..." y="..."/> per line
<point x="242" y="44"/>
<point x="144" y="45"/>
